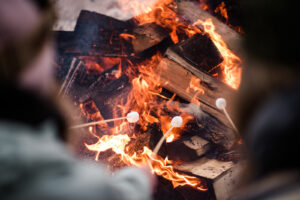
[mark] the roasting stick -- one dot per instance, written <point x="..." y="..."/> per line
<point x="221" y="104"/>
<point x="175" y="123"/>
<point x="131" y="117"/>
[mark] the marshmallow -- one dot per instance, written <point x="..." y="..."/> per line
<point x="133" y="117"/>
<point x="221" y="103"/>
<point x="176" y="121"/>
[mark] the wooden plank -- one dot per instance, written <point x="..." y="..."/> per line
<point x="147" y="35"/>
<point x="206" y="168"/>
<point x="191" y="12"/>
<point x="199" y="51"/>
<point x="198" y="144"/>
<point x="177" y="78"/>
<point x="224" y="176"/>
<point x="225" y="184"/>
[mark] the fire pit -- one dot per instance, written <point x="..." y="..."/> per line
<point x="173" y="60"/>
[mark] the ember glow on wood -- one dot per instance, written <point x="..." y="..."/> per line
<point x="131" y="117"/>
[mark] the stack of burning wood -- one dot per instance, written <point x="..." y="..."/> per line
<point x="110" y="67"/>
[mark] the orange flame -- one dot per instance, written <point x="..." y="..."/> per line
<point x="146" y="88"/>
<point x="162" y="167"/>
<point x="142" y="98"/>
<point x="231" y="65"/>
<point x="222" y="10"/>
<point x="127" y="36"/>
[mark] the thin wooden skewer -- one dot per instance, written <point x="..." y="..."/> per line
<point x="221" y="104"/>
<point x="230" y="120"/>
<point x="98" y="122"/>
<point x="176" y="122"/>
<point x="161" y="141"/>
<point x="132" y="117"/>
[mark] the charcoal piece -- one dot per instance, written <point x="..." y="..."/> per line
<point x="199" y="51"/>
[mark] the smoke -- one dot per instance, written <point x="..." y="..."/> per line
<point x="192" y="109"/>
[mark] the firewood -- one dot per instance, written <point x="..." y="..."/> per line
<point x="223" y="176"/>
<point x="191" y="12"/>
<point x="225" y="184"/>
<point x="198" y="144"/>
<point x="109" y="97"/>
<point x="146" y="36"/>
<point x="177" y="77"/>
<point x="199" y="51"/>
<point x="96" y="34"/>
<point x="102" y="80"/>
<point x="206" y="168"/>
<point x="190" y="149"/>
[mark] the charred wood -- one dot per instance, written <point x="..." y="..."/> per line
<point x="190" y="12"/>
<point x="177" y="78"/>
<point x="147" y="36"/>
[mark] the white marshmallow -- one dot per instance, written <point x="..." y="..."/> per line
<point x="221" y="103"/>
<point x="133" y="117"/>
<point x="176" y="121"/>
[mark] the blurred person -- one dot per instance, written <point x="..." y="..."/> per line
<point x="34" y="161"/>
<point x="269" y="97"/>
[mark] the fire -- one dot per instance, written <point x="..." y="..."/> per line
<point x="98" y="66"/>
<point x="195" y="88"/>
<point x="146" y="89"/>
<point x="143" y="99"/>
<point x="231" y="64"/>
<point x="127" y="36"/>
<point x="222" y="10"/>
<point x="162" y="167"/>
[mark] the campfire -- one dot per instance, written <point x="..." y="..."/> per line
<point x="172" y="59"/>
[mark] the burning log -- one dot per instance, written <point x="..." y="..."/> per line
<point x="177" y="78"/>
<point x="199" y="51"/>
<point x="129" y="84"/>
<point x="96" y="34"/>
<point x="113" y="94"/>
<point x="191" y="12"/>
<point x="147" y="36"/>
